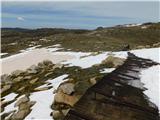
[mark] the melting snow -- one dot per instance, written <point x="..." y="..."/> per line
<point x="91" y="60"/>
<point x="11" y="106"/>
<point x="87" y="61"/>
<point x="107" y="70"/>
<point x="151" y="79"/>
<point x="152" y="53"/>
<point x="150" y="76"/>
<point x="10" y="97"/>
<point x="3" y="54"/>
<point x="30" y="48"/>
<point x="44" y="99"/>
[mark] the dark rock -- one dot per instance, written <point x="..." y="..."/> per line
<point x="81" y="86"/>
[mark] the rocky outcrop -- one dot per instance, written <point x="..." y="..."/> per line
<point x="22" y="82"/>
<point x="60" y="97"/>
<point x="24" y="108"/>
<point x="65" y="98"/>
<point x="113" y="62"/>
<point x="67" y="94"/>
<point x="29" y="77"/>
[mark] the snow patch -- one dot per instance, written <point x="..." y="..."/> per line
<point x="10" y="97"/>
<point x="11" y="106"/>
<point x="1" y="54"/>
<point x="44" y="99"/>
<point x="87" y="62"/>
<point x="152" y="53"/>
<point x="107" y="70"/>
<point x="30" y="48"/>
<point x="151" y="79"/>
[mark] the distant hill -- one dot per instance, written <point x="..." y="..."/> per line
<point x="14" y="29"/>
<point x="100" y="39"/>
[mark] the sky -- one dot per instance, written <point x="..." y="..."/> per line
<point x="83" y="15"/>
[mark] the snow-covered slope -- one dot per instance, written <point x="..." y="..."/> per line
<point x="151" y="77"/>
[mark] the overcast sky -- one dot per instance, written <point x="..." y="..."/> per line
<point x="87" y="15"/>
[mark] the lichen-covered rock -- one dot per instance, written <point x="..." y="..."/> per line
<point x="60" y="97"/>
<point x="18" y="79"/>
<point x="27" y="105"/>
<point x="81" y="86"/>
<point x="22" y="100"/>
<point x="24" y="107"/>
<point x="113" y="62"/>
<point x="33" y="80"/>
<point x="67" y="88"/>
<point x="57" y="114"/>
<point x="20" y="115"/>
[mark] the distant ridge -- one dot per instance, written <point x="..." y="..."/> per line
<point x="16" y="29"/>
<point x="70" y="29"/>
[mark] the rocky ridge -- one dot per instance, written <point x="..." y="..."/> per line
<point x="23" y="83"/>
